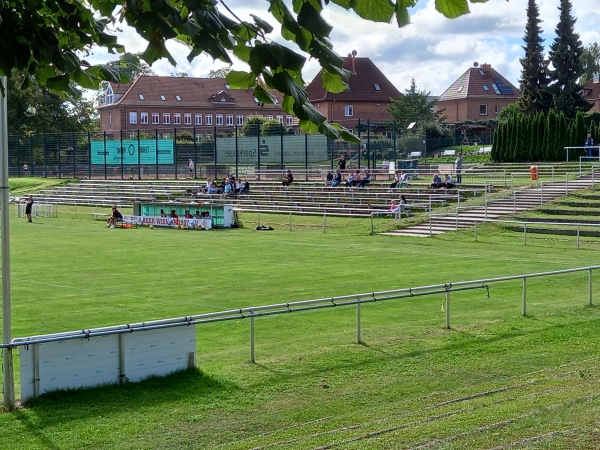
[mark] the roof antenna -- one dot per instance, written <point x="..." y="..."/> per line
<point x="354" y="53"/>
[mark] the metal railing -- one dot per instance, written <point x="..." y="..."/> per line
<point x="255" y="312"/>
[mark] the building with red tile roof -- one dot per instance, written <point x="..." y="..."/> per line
<point x="591" y="92"/>
<point x="195" y="104"/>
<point x="367" y="97"/>
<point x="479" y="94"/>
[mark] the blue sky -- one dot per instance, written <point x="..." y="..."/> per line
<point x="432" y="49"/>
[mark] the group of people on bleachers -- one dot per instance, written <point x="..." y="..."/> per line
<point x="229" y="185"/>
<point x="437" y="182"/>
<point x="355" y="178"/>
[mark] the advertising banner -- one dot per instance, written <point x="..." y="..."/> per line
<point x="132" y="152"/>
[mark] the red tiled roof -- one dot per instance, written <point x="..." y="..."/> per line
<point x="367" y="83"/>
<point x="481" y="81"/>
<point x="185" y="91"/>
<point x="591" y="89"/>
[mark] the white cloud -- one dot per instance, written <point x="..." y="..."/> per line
<point x="432" y="49"/>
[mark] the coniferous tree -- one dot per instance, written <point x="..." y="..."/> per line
<point x="561" y="138"/>
<point x="566" y="57"/>
<point x="534" y="74"/>
<point x="578" y="133"/>
<point x="539" y="137"/>
<point x="549" y="135"/>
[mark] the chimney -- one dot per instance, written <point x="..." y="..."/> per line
<point x="486" y="66"/>
<point x="354" y="52"/>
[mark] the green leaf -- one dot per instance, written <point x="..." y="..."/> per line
<point x="452" y="8"/>
<point x="85" y="80"/>
<point x="265" y="26"/>
<point x="283" y="82"/>
<point x="333" y="82"/>
<point x="263" y="96"/>
<point x="402" y="15"/>
<point x="60" y="83"/>
<point x="311" y="19"/>
<point x="240" y="80"/>
<point x="375" y="10"/>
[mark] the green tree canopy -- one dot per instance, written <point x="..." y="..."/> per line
<point x="534" y="74"/>
<point x="51" y="40"/>
<point x="414" y="106"/>
<point x="590" y="60"/>
<point x="565" y="55"/>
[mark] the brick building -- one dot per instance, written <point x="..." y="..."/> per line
<point x="196" y="105"/>
<point x="591" y="92"/>
<point x="367" y="97"/>
<point x="479" y="94"/>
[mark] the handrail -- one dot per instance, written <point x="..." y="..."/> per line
<point x="285" y="308"/>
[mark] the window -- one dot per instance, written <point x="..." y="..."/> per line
<point x="229" y="119"/>
<point x="198" y="138"/>
<point x="496" y="109"/>
<point x="132" y="136"/>
<point x="187" y="118"/>
<point x="377" y="86"/>
<point x="109" y="96"/>
<point x="198" y="119"/>
<point x="163" y="98"/>
<point x="483" y="110"/>
<point x="219" y="119"/>
<point x="144" y="118"/>
<point x="166" y="118"/>
<point x="485" y="87"/>
<point x="348" y="111"/>
<point x="209" y="119"/>
<point x="269" y="117"/>
<point x="178" y="98"/>
<point x="280" y="119"/>
<point x="289" y="120"/>
<point x="141" y="96"/>
<point x="240" y="119"/>
<point x="166" y="135"/>
<point x="132" y="117"/>
<point x="110" y="119"/>
<point x="176" y="118"/>
<point x="155" y="118"/>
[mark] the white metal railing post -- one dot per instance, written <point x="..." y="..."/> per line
<point x="457" y="209"/>
<point x="430" y="227"/>
<point x="447" y="308"/>
<point x="590" y="288"/>
<point x="524" y="307"/>
<point x="252" y="355"/>
<point x="372" y="226"/>
<point x="358" y="334"/>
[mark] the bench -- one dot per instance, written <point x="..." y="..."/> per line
<point x="484" y="150"/>
<point x="414" y="154"/>
<point x="99" y="216"/>
<point x="449" y="153"/>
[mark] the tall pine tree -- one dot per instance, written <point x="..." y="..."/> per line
<point x="534" y="74"/>
<point x="566" y="57"/>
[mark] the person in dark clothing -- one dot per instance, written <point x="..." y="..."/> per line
<point x="28" y="208"/>
<point x="288" y="178"/>
<point x="114" y="218"/>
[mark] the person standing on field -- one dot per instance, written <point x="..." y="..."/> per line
<point x="29" y="207"/>
<point x="458" y="167"/>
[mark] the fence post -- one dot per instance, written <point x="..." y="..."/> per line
<point x="524" y="307"/>
<point x="590" y="289"/>
<point x="447" y="308"/>
<point x="252" y="356"/>
<point x="358" y="338"/>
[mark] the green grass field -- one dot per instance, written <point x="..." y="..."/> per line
<point x="496" y="379"/>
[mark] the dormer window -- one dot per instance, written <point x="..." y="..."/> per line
<point x="109" y="95"/>
<point x="377" y="86"/>
<point x="178" y="98"/>
<point x="163" y="98"/>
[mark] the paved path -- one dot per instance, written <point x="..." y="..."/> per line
<point x="521" y="200"/>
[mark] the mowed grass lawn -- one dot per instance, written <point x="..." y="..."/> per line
<point x="494" y="380"/>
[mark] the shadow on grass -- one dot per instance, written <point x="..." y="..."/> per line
<point x="66" y="405"/>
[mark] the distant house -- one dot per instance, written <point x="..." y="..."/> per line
<point x="478" y="94"/>
<point x="196" y="105"/>
<point x="367" y="97"/>
<point x="591" y="92"/>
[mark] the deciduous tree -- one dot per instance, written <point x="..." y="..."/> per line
<point x="50" y="41"/>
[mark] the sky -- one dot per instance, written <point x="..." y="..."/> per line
<point x="433" y="50"/>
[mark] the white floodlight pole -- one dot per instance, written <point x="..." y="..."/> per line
<point x="7" y="362"/>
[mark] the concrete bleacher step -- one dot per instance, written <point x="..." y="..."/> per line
<point x="524" y="199"/>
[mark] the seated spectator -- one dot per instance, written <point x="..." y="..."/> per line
<point x="337" y="179"/>
<point x="366" y="179"/>
<point x="288" y="179"/>
<point x="162" y="213"/>
<point x="115" y="217"/>
<point x="188" y="214"/>
<point x="402" y="202"/>
<point x="436" y="183"/>
<point x="227" y="190"/>
<point x="238" y="186"/>
<point x="245" y="187"/>
<point x="448" y="182"/>
<point x="212" y="189"/>
<point x="396" y="180"/>
<point x="328" y="178"/>
<point x="350" y="180"/>
<point x="403" y="179"/>
<point x="394" y="208"/>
